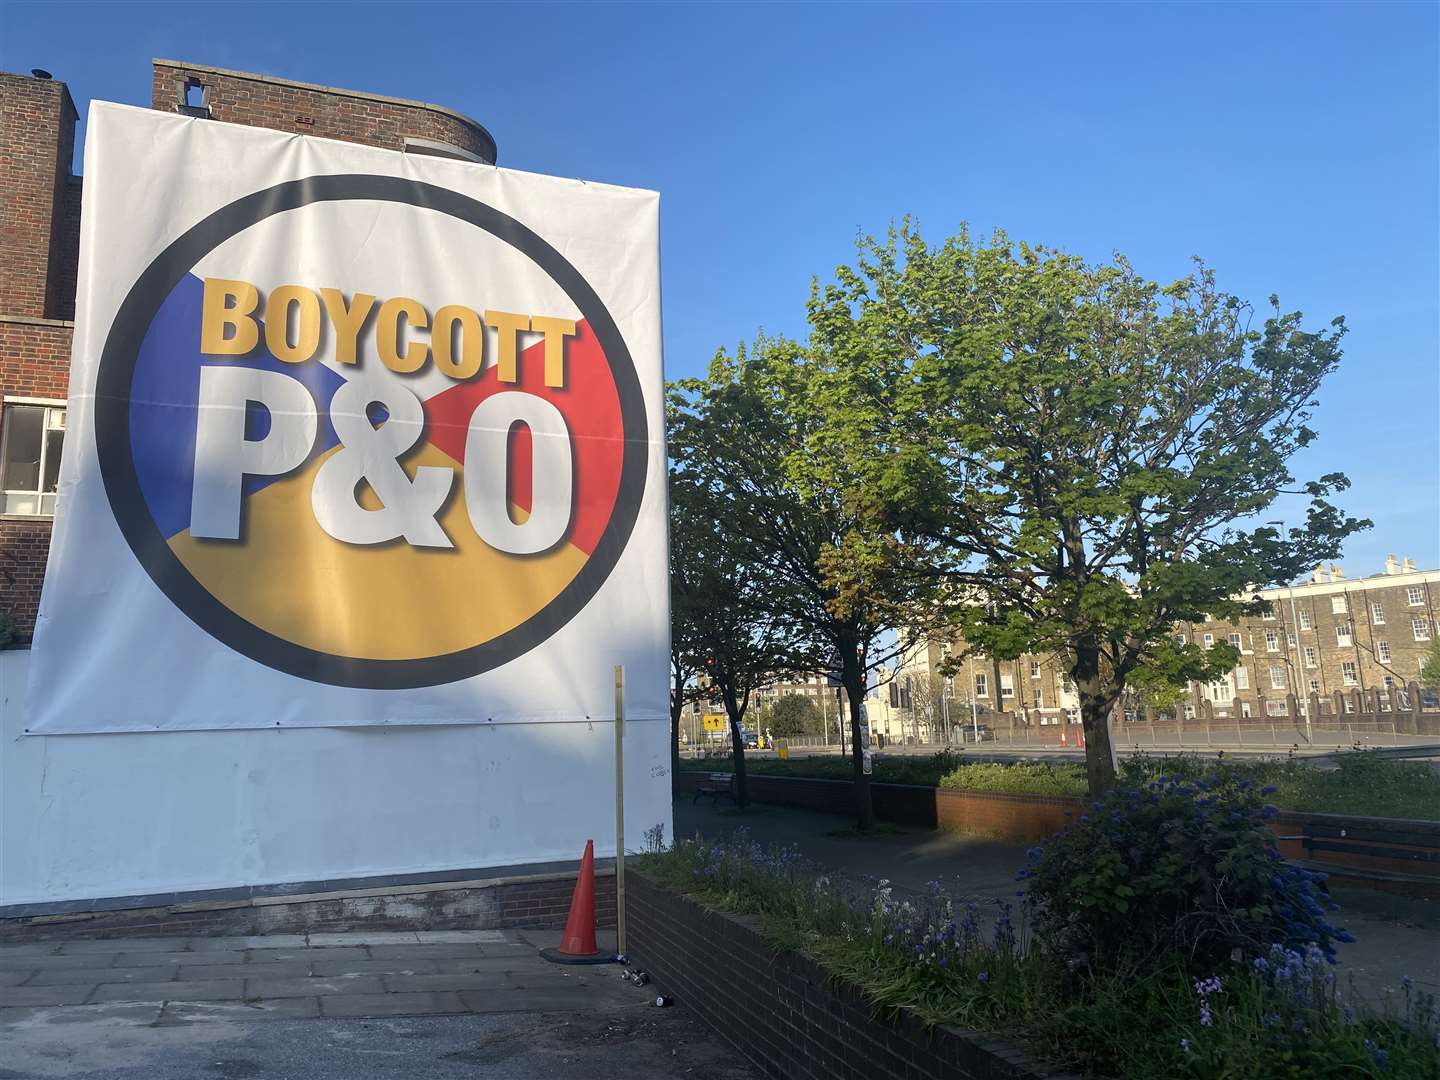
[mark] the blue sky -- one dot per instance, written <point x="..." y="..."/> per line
<point x="1293" y="146"/>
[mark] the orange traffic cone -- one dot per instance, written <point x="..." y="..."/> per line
<point x="578" y="944"/>
<point x="1062" y="738"/>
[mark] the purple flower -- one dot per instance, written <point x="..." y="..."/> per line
<point x="983" y="977"/>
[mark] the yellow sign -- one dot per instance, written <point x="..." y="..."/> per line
<point x="715" y="722"/>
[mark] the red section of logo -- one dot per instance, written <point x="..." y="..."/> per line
<point x="591" y="408"/>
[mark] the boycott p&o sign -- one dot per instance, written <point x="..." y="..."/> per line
<point x="371" y="431"/>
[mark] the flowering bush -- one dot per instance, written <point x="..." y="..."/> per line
<point x="1174" y="868"/>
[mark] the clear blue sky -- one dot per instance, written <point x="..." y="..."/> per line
<point x="1295" y="147"/>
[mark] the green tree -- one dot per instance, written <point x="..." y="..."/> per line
<point x="1430" y="669"/>
<point x="753" y="435"/>
<point x="686" y="616"/>
<point x="735" y="623"/>
<point x="1075" y="449"/>
<point x="793" y="714"/>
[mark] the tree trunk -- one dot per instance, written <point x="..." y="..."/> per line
<point x="735" y="710"/>
<point x="1095" y="706"/>
<point x="853" y="679"/>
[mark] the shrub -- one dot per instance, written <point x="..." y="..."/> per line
<point x="1021" y="778"/>
<point x="1174" y="868"/>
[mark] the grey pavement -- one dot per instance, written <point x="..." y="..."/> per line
<point x="1395" y="936"/>
<point x="344" y="1006"/>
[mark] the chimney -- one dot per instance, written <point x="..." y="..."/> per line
<point x="1336" y="574"/>
<point x="1392" y="565"/>
<point x="1409" y="565"/>
<point x="1318" y="576"/>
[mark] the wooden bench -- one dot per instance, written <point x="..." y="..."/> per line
<point x="717" y="785"/>
<point x="1320" y="838"/>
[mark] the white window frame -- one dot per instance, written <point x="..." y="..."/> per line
<point x="1415" y="595"/>
<point x="1338" y="606"/>
<point x="1310" y="659"/>
<point x="1242" y="678"/>
<point x="1007" y="685"/>
<point x="1278" y="681"/>
<point x="50" y="405"/>
<point x="1377" y="613"/>
<point x="1349" y="674"/>
<point x="1420" y="627"/>
<point x="1245" y="708"/>
<point x="1276" y="707"/>
<point x="982" y="684"/>
<point x="1272" y="641"/>
<point x="1344" y="635"/>
<point x="1235" y="643"/>
<point x="1034" y="669"/>
<point x="1304" y="614"/>
<point x="1382" y="650"/>
<point x="1314" y="686"/>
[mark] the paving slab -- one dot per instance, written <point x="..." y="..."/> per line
<point x="376" y="1005"/>
<point x="288" y="1008"/>
<point x="383" y="937"/>
<point x="213" y="990"/>
<point x="133" y="945"/>
<point x="401" y="966"/>
<point x="94" y="976"/>
<point x="266" y="956"/>
<point x="462" y="937"/>
<point x="153" y="959"/>
<point x="560" y="999"/>
<point x="69" y="994"/>
<point x="275" y="969"/>
<point x="322" y="987"/>
<point x="483" y="980"/>
<point x="426" y="952"/>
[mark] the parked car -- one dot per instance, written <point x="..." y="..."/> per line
<point x="976" y="733"/>
<point x="752" y="740"/>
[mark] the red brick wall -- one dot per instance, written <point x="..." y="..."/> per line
<point x="37" y="119"/>
<point x="259" y="101"/>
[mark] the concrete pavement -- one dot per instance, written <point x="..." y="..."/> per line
<point x="340" y="1005"/>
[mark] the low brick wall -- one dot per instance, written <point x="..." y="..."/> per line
<point x="782" y="1010"/>
<point x="537" y="901"/>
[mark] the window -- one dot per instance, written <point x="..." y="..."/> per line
<point x="1274" y="707"/>
<point x="1309" y="655"/>
<point x="1420" y="626"/>
<point x="1304" y="614"/>
<point x="1179" y="639"/>
<point x="1066" y="684"/>
<point x="1349" y="703"/>
<point x="1034" y="669"/>
<point x="1272" y="641"/>
<point x="1242" y="678"/>
<point x="1007" y="686"/>
<point x="1269" y="616"/>
<point x="982" y="685"/>
<point x="1291" y="639"/>
<point x="1314" y="686"/>
<point x="1382" y="650"/>
<point x="1415" y="595"/>
<point x="31" y="436"/>
<point x="1343" y="636"/>
<point x="1221" y="691"/>
<point x="1245" y="708"/>
<point x="1337" y="605"/>
<point x="1039" y="697"/>
<point x="1188" y="711"/>
<point x="1277" y="676"/>
<point x="1389" y="682"/>
<point x="1209" y="640"/>
<point x="1377" y="613"/>
<point x="1347" y="673"/>
<point x="1235" y="642"/>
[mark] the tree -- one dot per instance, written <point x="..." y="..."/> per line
<point x="793" y="714"/>
<point x="686" y="616"/>
<point x="1430" y="669"/>
<point x="1074" y="450"/>
<point x="736" y="622"/>
<point x="753" y="434"/>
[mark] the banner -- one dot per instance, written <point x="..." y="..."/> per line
<point x="355" y="438"/>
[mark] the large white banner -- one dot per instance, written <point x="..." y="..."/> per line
<point x="355" y="438"/>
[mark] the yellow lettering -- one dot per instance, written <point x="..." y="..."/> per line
<point x="387" y="335"/>
<point x="307" y="323"/>
<point x="228" y="304"/>
<point x="472" y="342"/>
<point x="508" y="328"/>
<point x="347" y="321"/>
<point x="555" y="331"/>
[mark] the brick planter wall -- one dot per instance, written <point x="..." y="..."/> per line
<point x="784" y="1013"/>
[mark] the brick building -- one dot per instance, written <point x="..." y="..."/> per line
<point x="40" y="243"/>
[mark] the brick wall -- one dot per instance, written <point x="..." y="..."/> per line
<point x="541" y="902"/>
<point x="784" y="1012"/>
<point x="262" y="101"/>
<point x="37" y="128"/>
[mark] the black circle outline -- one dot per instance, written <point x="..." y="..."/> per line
<point x="127" y="502"/>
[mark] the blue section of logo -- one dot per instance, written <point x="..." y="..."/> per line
<point x="163" y="393"/>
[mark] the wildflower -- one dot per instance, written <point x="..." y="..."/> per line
<point x="983" y="977"/>
<point x="1185" y="1045"/>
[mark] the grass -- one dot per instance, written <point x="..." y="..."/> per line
<point x="930" y="956"/>
<point x="1362" y="783"/>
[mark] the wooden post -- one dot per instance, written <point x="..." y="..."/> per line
<point x="620" y="809"/>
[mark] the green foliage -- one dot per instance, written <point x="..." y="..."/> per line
<point x="956" y="964"/>
<point x="1021" y="778"/>
<point x="792" y="714"/>
<point x="1430" y="669"/>
<point x="1070" y="448"/>
<point x="1174" y="869"/>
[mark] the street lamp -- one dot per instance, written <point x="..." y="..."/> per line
<point x="1294" y="631"/>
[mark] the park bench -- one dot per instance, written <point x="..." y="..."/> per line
<point x="1322" y="839"/>
<point x="717" y="785"/>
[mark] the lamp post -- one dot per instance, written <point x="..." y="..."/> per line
<point x="1294" y="632"/>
